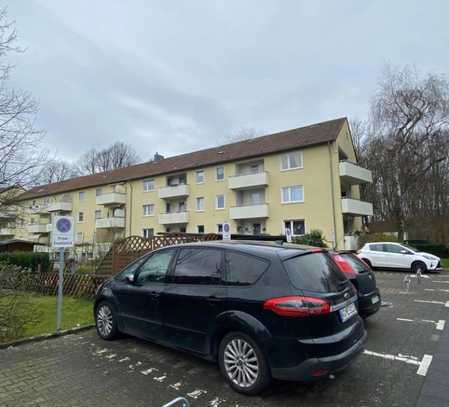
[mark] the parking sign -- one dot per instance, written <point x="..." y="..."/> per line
<point x="62" y="233"/>
<point x="226" y="231"/>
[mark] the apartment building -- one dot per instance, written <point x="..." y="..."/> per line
<point x="302" y="179"/>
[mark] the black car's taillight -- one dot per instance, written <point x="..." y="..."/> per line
<point x="344" y="266"/>
<point x="298" y="306"/>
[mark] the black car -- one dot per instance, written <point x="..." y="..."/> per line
<point x="364" y="280"/>
<point x="261" y="310"/>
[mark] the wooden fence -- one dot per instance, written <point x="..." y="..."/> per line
<point x="76" y="285"/>
<point x="124" y="251"/>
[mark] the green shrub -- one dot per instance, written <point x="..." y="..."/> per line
<point x="27" y="260"/>
<point x="376" y="237"/>
<point x="314" y="238"/>
<point x="439" y="250"/>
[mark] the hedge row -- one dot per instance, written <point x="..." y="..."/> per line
<point x="439" y="250"/>
<point x="28" y="260"/>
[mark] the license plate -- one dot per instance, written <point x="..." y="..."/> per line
<point x="375" y="299"/>
<point x="347" y="312"/>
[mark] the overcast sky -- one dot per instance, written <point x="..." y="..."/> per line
<point x="175" y="76"/>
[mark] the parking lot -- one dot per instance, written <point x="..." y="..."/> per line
<point x="403" y="351"/>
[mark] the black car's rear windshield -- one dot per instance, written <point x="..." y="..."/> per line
<point x="315" y="272"/>
<point x="356" y="264"/>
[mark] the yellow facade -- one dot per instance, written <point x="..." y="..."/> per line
<point x="253" y="199"/>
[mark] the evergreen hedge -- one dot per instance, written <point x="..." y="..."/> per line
<point x="27" y="260"/>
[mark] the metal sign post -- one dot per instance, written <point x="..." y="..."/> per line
<point x="62" y="237"/>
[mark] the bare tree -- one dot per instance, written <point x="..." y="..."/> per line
<point x="118" y="155"/>
<point x="21" y="152"/>
<point x="243" y="133"/>
<point x="407" y="142"/>
<point x="56" y="171"/>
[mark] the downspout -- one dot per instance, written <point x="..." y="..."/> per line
<point x="331" y="172"/>
<point x="130" y="207"/>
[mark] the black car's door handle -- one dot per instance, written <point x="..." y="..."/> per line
<point x="212" y="299"/>
<point x="155" y="294"/>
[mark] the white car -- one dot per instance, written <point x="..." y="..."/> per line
<point x="398" y="256"/>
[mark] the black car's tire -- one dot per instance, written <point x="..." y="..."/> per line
<point x="419" y="265"/>
<point x="243" y="364"/>
<point x="106" y="321"/>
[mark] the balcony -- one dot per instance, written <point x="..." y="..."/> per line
<point x="39" y="228"/>
<point x="173" y="218"/>
<point x="356" y="207"/>
<point x="7" y="214"/>
<point x="352" y="174"/>
<point x="7" y="231"/>
<point x="249" y="211"/>
<point x="177" y="191"/>
<point x="60" y="206"/>
<point x="248" y="180"/>
<point x="111" y="199"/>
<point x="114" y="222"/>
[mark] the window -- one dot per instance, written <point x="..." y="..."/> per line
<point x="198" y="266"/>
<point x="81" y="195"/>
<point x="80" y="216"/>
<point x="98" y="214"/>
<point x="314" y="272"/>
<point x="200" y="204"/>
<point x="98" y="191"/>
<point x="200" y="228"/>
<point x="155" y="268"/>
<point x="220" y="228"/>
<point x="200" y="176"/>
<point x="219" y="173"/>
<point x="131" y="269"/>
<point x="79" y="237"/>
<point x="297" y="227"/>
<point x="148" y="209"/>
<point x="395" y="248"/>
<point x="220" y="202"/>
<point x="148" y="185"/>
<point x="242" y="269"/>
<point x="376" y="247"/>
<point x="290" y="161"/>
<point x="148" y="232"/>
<point x="293" y="194"/>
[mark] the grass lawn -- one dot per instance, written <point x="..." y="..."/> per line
<point x="445" y="263"/>
<point x="76" y="311"/>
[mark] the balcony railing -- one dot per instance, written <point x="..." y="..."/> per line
<point x="174" y="191"/>
<point x="254" y="211"/>
<point x="111" y="199"/>
<point x="173" y="218"/>
<point x="7" y="231"/>
<point x="40" y="209"/>
<point x="242" y="181"/>
<point x="40" y="228"/>
<point x="353" y="174"/>
<point x="60" y="206"/>
<point x="356" y="207"/>
<point x="112" y="222"/>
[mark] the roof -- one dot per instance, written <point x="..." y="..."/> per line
<point x="287" y="140"/>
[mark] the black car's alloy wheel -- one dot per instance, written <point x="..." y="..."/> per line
<point x="105" y="321"/>
<point x="243" y="364"/>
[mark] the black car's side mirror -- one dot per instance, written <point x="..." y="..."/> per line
<point x="130" y="279"/>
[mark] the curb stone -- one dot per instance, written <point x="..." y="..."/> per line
<point x="39" y="338"/>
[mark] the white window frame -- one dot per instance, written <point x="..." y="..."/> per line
<point x="291" y="225"/>
<point x="216" y="173"/>
<point x="198" y="209"/>
<point x="198" y="227"/>
<point x="95" y="213"/>
<point x="148" y="205"/>
<point x="77" y="237"/>
<point x="196" y="176"/>
<point x="216" y="202"/>
<point x="290" y="194"/>
<point x="148" y="181"/>
<point x="143" y="232"/>
<point x="98" y="191"/>
<point x="81" y="195"/>
<point x="82" y="216"/>
<point x="288" y="155"/>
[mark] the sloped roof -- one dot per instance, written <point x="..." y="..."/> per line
<point x="287" y="140"/>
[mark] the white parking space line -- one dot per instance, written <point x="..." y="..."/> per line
<point x="439" y="325"/>
<point x="446" y="304"/>
<point x="423" y="365"/>
<point x="436" y="289"/>
<point x="440" y="281"/>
